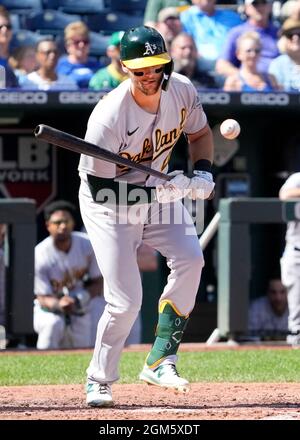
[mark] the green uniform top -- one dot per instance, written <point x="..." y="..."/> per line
<point x="106" y="78"/>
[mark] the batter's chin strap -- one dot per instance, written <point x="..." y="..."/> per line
<point x="167" y="75"/>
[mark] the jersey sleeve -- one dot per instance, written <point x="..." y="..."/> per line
<point x="99" y="134"/>
<point x="42" y="284"/>
<point x="196" y="117"/>
<point x="292" y="182"/>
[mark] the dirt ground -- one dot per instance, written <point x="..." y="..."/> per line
<point x="205" y="401"/>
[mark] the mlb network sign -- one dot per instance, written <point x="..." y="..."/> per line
<point x="27" y="168"/>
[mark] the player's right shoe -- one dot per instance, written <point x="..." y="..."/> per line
<point x="165" y="376"/>
<point x="99" y="394"/>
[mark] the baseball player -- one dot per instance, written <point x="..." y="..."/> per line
<point x="66" y="276"/>
<point x="290" y="261"/>
<point x="142" y="119"/>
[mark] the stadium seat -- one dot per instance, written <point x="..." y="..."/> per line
<point x="99" y="43"/>
<point x="49" y="21"/>
<point x="129" y="6"/>
<point x="75" y="6"/>
<point x="21" y="5"/>
<point x="15" y="21"/>
<point x="24" y="37"/>
<point x="112" y="21"/>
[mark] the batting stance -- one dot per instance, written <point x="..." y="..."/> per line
<point x="142" y="119"/>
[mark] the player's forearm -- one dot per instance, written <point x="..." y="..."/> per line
<point x="201" y="145"/>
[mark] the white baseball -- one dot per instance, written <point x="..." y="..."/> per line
<point x="230" y="128"/>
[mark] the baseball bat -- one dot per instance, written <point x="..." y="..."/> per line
<point x="73" y="143"/>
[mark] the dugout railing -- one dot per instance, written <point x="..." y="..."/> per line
<point x="20" y="217"/>
<point x="234" y="256"/>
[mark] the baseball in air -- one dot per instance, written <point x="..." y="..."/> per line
<point x="230" y="128"/>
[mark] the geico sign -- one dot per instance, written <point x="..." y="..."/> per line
<point x="23" y="98"/>
<point x="79" y="97"/>
<point x="265" y="98"/>
<point x="214" y="98"/>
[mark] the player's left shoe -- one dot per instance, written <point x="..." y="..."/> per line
<point x="165" y="376"/>
<point x="99" y="394"/>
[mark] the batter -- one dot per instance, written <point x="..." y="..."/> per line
<point x="141" y="120"/>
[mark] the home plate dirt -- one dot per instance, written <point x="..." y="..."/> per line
<point x="205" y="401"/>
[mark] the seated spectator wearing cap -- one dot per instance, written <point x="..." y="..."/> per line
<point x="258" y="13"/>
<point x="45" y="77"/>
<point x="248" y="78"/>
<point x="111" y="76"/>
<point x="9" y="79"/>
<point x="77" y="64"/>
<point x="184" y="54"/>
<point x="286" y="67"/>
<point x="153" y="8"/>
<point x="209" y="27"/>
<point x="168" y="24"/>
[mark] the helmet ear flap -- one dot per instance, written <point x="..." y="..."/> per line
<point x="167" y="75"/>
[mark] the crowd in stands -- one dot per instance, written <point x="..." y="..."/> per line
<point x="236" y="46"/>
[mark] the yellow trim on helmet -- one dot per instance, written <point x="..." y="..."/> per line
<point x="139" y="63"/>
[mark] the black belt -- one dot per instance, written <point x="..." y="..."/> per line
<point x="121" y="191"/>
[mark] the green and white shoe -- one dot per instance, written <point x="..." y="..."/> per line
<point x="99" y="394"/>
<point x="165" y="376"/>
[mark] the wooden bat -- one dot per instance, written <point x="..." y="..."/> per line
<point x="73" y="143"/>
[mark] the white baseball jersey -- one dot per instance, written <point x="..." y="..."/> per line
<point x="120" y="125"/>
<point x="293" y="227"/>
<point x="55" y="269"/>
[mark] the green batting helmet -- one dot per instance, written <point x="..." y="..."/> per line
<point x="143" y="47"/>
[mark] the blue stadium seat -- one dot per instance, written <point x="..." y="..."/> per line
<point x="49" y="21"/>
<point x="15" y="21"/>
<point x="24" y="37"/>
<point x="108" y="22"/>
<point x="99" y="43"/>
<point x="129" y="6"/>
<point x="22" y="4"/>
<point x="75" y="6"/>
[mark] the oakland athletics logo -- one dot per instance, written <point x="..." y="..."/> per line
<point x="150" y="49"/>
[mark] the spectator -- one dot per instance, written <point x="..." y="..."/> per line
<point x="46" y="78"/>
<point x="248" y="78"/>
<point x="209" y="27"/>
<point x="168" y="24"/>
<point x="290" y="9"/>
<point x="154" y="6"/>
<point x="184" y="54"/>
<point x="23" y="61"/>
<point x="290" y="273"/>
<point x="112" y="75"/>
<point x="66" y="277"/>
<point x="268" y="315"/>
<point x="5" y="39"/>
<point x="258" y="13"/>
<point x="77" y="64"/>
<point x="286" y="67"/>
